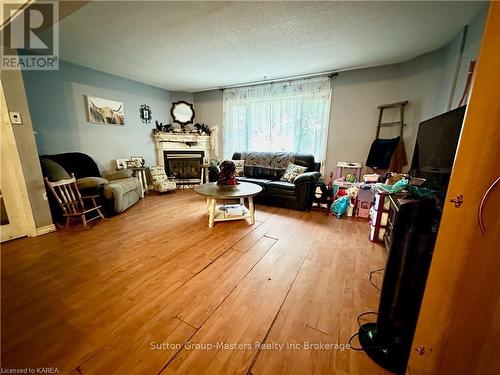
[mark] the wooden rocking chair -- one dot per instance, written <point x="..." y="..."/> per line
<point x="71" y="201"/>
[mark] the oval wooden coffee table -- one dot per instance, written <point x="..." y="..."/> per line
<point x="225" y="212"/>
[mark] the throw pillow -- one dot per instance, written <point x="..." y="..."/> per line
<point x="292" y="171"/>
<point x="240" y="167"/>
<point x="118" y="175"/>
<point x="53" y="171"/>
<point x="90" y="183"/>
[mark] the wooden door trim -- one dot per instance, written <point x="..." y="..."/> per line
<point x="18" y="175"/>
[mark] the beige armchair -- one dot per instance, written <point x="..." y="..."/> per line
<point x="118" y="190"/>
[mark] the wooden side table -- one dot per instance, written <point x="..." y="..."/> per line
<point x="140" y="173"/>
<point x="204" y="173"/>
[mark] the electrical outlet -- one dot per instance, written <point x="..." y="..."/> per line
<point x="15" y="118"/>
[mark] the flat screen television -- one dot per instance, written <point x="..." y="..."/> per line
<point x="435" y="149"/>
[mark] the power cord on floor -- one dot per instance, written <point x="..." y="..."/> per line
<point x="366" y="313"/>
<point x="360" y="326"/>
<point x="371" y="275"/>
<point x="353" y="347"/>
<point x="361" y="349"/>
<point x="363" y="314"/>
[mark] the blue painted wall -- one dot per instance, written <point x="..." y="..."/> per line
<point x="58" y="111"/>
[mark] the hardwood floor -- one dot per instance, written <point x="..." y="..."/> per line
<point x="126" y="296"/>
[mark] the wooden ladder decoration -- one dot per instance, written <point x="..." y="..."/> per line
<point x="401" y="122"/>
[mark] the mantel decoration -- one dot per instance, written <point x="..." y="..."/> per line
<point x="199" y="129"/>
<point x="202" y="129"/>
<point x="145" y="113"/>
<point x="172" y="141"/>
<point x="161" y="128"/>
<point x="227" y="176"/>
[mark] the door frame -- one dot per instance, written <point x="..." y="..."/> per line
<point x="9" y="142"/>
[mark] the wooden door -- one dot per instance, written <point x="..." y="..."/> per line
<point x="16" y="213"/>
<point x="459" y="325"/>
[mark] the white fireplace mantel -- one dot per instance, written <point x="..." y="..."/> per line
<point x="177" y="142"/>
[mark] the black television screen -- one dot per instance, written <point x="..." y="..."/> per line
<point x="435" y="149"/>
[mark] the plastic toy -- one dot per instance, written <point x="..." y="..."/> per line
<point x="350" y="177"/>
<point x="339" y="206"/>
<point x="351" y="168"/>
<point x="365" y="200"/>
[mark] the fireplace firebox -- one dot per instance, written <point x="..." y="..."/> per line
<point x="184" y="165"/>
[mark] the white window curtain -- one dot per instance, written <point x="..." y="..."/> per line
<point x="283" y="116"/>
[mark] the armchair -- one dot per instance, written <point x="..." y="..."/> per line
<point x="122" y="189"/>
<point x="117" y="190"/>
<point x="161" y="182"/>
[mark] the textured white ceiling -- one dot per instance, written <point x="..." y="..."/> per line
<point x="193" y="46"/>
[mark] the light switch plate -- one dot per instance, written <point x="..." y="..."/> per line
<point x="15" y="118"/>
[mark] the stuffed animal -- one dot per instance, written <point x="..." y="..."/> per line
<point x="352" y="193"/>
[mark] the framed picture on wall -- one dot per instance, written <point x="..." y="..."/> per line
<point x="138" y="160"/>
<point x="121" y="163"/>
<point x="131" y="164"/>
<point x="105" y="111"/>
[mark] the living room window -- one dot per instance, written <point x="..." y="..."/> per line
<point x="282" y="116"/>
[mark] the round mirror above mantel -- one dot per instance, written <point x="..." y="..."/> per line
<point x="182" y="112"/>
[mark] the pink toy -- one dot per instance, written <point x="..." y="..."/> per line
<point x="365" y="201"/>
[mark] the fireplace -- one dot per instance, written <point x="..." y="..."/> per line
<point x="183" y="154"/>
<point x="184" y="165"/>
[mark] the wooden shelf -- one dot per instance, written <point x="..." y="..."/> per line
<point x="221" y="215"/>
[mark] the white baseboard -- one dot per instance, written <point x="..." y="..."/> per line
<point x="45" y="229"/>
